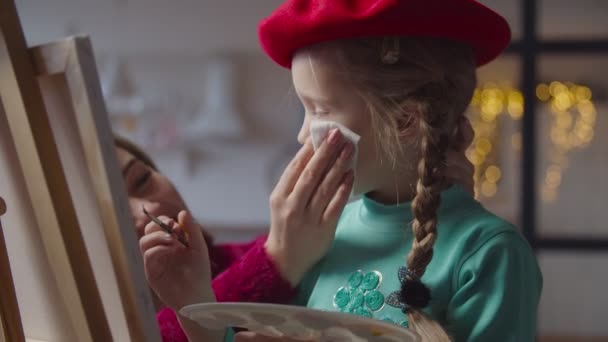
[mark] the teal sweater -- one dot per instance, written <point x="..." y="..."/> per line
<point x="484" y="278"/>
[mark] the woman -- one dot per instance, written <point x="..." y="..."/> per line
<point x="245" y="267"/>
<point x="242" y="272"/>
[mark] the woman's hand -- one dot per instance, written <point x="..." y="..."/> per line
<point x="179" y="275"/>
<point x="306" y="205"/>
<point x="459" y="169"/>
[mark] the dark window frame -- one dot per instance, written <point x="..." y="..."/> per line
<point x="529" y="48"/>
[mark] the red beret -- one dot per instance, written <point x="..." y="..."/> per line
<point x="298" y="23"/>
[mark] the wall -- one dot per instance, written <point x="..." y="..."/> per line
<point x="166" y="47"/>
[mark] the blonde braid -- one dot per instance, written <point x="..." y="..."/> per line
<point x="428" y="189"/>
<point x="435" y="136"/>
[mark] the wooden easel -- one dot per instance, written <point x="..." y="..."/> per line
<point x="11" y="328"/>
<point x="60" y="137"/>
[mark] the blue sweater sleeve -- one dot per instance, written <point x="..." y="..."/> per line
<point x="497" y="292"/>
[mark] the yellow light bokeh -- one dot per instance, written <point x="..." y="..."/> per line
<point x="548" y="195"/>
<point x="474" y="157"/>
<point x="542" y="92"/>
<point x="562" y="101"/>
<point x="484" y="146"/>
<point x="572" y="126"/>
<point x="553" y="178"/>
<point x="583" y="93"/>
<point x="559" y="137"/>
<point x="516" y="111"/>
<point x="476" y="98"/>
<point x="488" y="189"/>
<point x="516" y="104"/>
<point x="564" y="120"/>
<point x="556" y="88"/>
<point x="493" y="174"/>
<point x="587" y="110"/>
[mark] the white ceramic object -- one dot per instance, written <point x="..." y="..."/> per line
<point x="296" y="322"/>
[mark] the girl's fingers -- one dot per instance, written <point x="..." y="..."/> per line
<point x="293" y="170"/>
<point x="316" y="169"/>
<point x="340" y="198"/>
<point x="157" y="238"/>
<point x="329" y="185"/>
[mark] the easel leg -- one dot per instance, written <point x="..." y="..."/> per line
<point x="11" y="328"/>
<point x="29" y="123"/>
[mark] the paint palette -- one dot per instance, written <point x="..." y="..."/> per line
<point x="296" y="322"/>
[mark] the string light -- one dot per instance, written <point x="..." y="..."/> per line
<point x="542" y="92"/>
<point x="573" y="116"/>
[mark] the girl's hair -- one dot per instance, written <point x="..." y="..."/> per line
<point x="417" y="87"/>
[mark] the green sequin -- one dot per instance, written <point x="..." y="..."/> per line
<point x="371" y="280"/>
<point x="363" y="311"/>
<point x="360" y="296"/>
<point x="404" y="324"/>
<point x="387" y="319"/>
<point x="374" y="300"/>
<point x="356" y="298"/>
<point x="355" y="279"/>
<point x="342" y="298"/>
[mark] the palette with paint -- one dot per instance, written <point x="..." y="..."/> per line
<point x="296" y="322"/>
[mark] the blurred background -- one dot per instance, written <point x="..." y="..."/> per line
<point x="187" y="81"/>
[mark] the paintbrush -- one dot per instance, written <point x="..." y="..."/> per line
<point x="181" y="237"/>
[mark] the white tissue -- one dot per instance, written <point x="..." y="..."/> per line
<point x="320" y="129"/>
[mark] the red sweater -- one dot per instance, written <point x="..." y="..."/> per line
<point x="242" y="273"/>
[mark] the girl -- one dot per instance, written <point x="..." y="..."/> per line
<point x="399" y="73"/>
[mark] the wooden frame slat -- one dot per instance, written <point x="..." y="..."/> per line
<point x="46" y="182"/>
<point x="11" y="328"/>
<point x="51" y="58"/>
<point x="76" y="57"/>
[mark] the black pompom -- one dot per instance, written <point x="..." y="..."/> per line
<point x="414" y="293"/>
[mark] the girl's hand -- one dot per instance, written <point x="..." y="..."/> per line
<point x="179" y="275"/>
<point x="306" y="204"/>
<point x="459" y="169"/>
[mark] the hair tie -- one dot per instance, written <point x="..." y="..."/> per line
<point x="412" y="294"/>
<point x="390" y="50"/>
